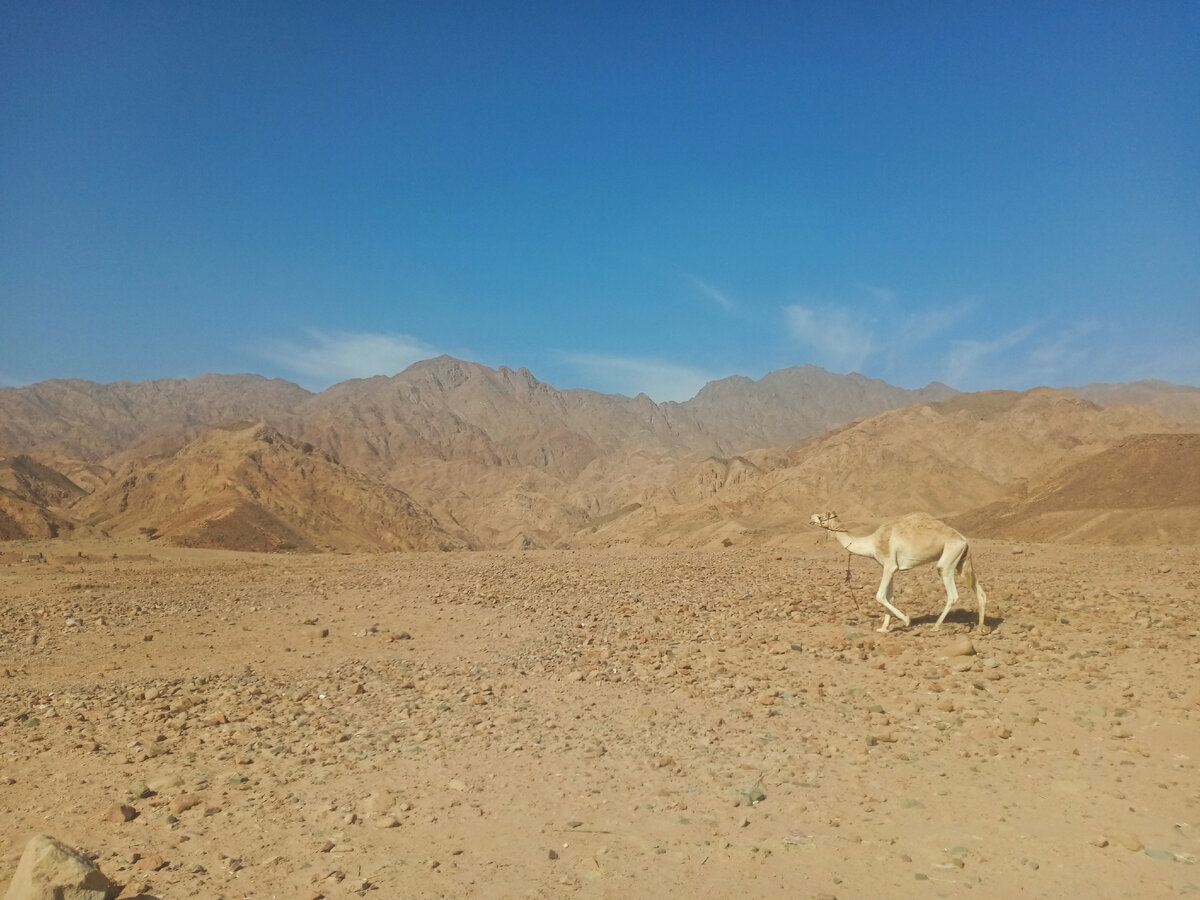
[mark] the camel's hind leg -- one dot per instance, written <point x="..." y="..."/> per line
<point x="884" y="596"/>
<point x="946" y="567"/>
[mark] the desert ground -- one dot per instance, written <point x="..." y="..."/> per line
<point x="608" y="723"/>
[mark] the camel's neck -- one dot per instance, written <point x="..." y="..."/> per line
<point x="863" y="545"/>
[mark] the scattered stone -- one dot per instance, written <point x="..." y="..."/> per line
<point x="164" y="783"/>
<point x="754" y="795"/>
<point x="1128" y="840"/>
<point x="184" y="802"/>
<point x="961" y="646"/>
<point x="379" y="802"/>
<point x="152" y="863"/>
<point x="121" y="812"/>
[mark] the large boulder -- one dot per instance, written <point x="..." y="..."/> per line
<point x="50" y="870"/>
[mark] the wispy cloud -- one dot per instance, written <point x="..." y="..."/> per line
<point x="631" y="375"/>
<point x="876" y="332"/>
<point x="324" y="358"/>
<point x="838" y="339"/>
<point x="715" y="294"/>
<point x="884" y="295"/>
<point x="972" y="363"/>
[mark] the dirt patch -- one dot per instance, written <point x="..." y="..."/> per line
<point x="603" y="723"/>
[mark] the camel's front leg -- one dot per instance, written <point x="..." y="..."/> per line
<point x="884" y="596"/>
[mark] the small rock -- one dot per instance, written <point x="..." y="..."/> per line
<point x="959" y="647"/>
<point x="184" y="802"/>
<point x="1164" y="855"/>
<point x="161" y="783"/>
<point x="1128" y="840"/>
<point x="754" y="796"/>
<point x="120" y="812"/>
<point x="379" y="802"/>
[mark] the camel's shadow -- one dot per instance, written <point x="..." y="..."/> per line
<point x="964" y="616"/>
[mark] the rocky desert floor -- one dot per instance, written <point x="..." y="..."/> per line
<point x="618" y="723"/>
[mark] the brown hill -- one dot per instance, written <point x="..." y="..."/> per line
<point x="29" y="480"/>
<point x="945" y="458"/>
<point x="441" y="408"/>
<point x="248" y="487"/>
<point x="450" y="410"/>
<point x="1174" y="402"/>
<point x="31" y="496"/>
<point x="789" y="405"/>
<point x="1146" y="489"/>
<point x="518" y="463"/>
<point x="500" y="459"/>
<point x="83" y="420"/>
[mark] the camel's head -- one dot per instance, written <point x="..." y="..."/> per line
<point x="825" y="520"/>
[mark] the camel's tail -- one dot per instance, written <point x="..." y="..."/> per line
<point x="967" y="568"/>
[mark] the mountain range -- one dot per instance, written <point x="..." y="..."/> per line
<point x="452" y="454"/>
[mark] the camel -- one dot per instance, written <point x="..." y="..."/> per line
<point x="904" y="543"/>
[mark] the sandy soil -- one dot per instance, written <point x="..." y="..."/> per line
<point x="601" y="724"/>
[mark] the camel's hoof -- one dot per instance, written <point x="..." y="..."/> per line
<point x="883" y="630"/>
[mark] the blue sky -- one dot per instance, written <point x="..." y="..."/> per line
<point x="620" y="196"/>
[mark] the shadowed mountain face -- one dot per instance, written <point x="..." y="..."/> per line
<point x="28" y="492"/>
<point x="1143" y="490"/>
<point x="453" y="454"/>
